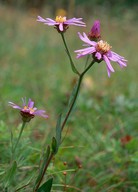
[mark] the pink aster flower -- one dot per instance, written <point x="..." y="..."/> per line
<point x="28" y="111"/>
<point x="100" y="51"/>
<point x="61" y="23"/>
<point x="94" y="34"/>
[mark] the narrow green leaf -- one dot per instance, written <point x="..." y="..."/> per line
<point x="45" y="159"/>
<point x="46" y="187"/>
<point x="10" y="174"/>
<point x="54" y="145"/>
<point x="58" y="130"/>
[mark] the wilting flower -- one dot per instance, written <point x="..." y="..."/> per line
<point x="61" y="23"/>
<point x="28" y="111"/>
<point x="94" y="34"/>
<point x="100" y="51"/>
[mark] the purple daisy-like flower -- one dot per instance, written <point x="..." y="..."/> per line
<point x="100" y="51"/>
<point x="28" y="111"/>
<point x="61" y="23"/>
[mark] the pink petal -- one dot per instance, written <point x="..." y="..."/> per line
<point x="13" y="105"/>
<point x="108" y="71"/>
<point x="50" y="20"/>
<point x="85" y="39"/>
<point x="75" y="21"/>
<point x="40" y="113"/>
<point x="98" y="55"/>
<point x="61" y="26"/>
<point x="108" y="63"/>
<point x="85" y="51"/>
<point x="121" y="63"/>
<point x="40" y="19"/>
<point x="30" y="103"/>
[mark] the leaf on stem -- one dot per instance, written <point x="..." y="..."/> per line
<point x="46" y="187"/>
<point x="54" y="145"/>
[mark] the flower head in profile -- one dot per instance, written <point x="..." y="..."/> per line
<point x="94" y="34"/>
<point x="101" y="51"/>
<point x="28" y="111"/>
<point x="61" y="23"/>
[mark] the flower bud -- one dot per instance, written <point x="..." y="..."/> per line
<point x="94" y="34"/>
<point x="65" y="163"/>
<point x="64" y="173"/>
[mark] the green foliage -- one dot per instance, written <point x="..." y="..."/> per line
<point x="54" y="145"/>
<point x="58" y="131"/>
<point x="10" y="175"/>
<point x="46" y="187"/>
<point x="44" y="160"/>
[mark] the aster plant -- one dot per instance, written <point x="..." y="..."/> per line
<point x="98" y="50"/>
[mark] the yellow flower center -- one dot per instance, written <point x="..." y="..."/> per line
<point x="30" y="109"/>
<point x="103" y="46"/>
<point x="60" y="19"/>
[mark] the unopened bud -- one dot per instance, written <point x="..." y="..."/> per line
<point x="80" y="166"/>
<point x="65" y="163"/>
<point x="94" y="34"/>
<point x="64" y="173"/>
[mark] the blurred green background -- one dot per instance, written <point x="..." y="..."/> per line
<point x="100" y="145"/>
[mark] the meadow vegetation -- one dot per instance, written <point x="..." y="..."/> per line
<point x="99" y="150"/>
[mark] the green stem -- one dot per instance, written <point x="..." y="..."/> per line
<point x="89" y="66"/>
<point x="44" y="171"/>
<point x="64" y="122"/>
<point x="23" y="125"/>
<point x="68" y="53"/>
<point x="73" y="102"/>
<point x="76" y="94"/>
